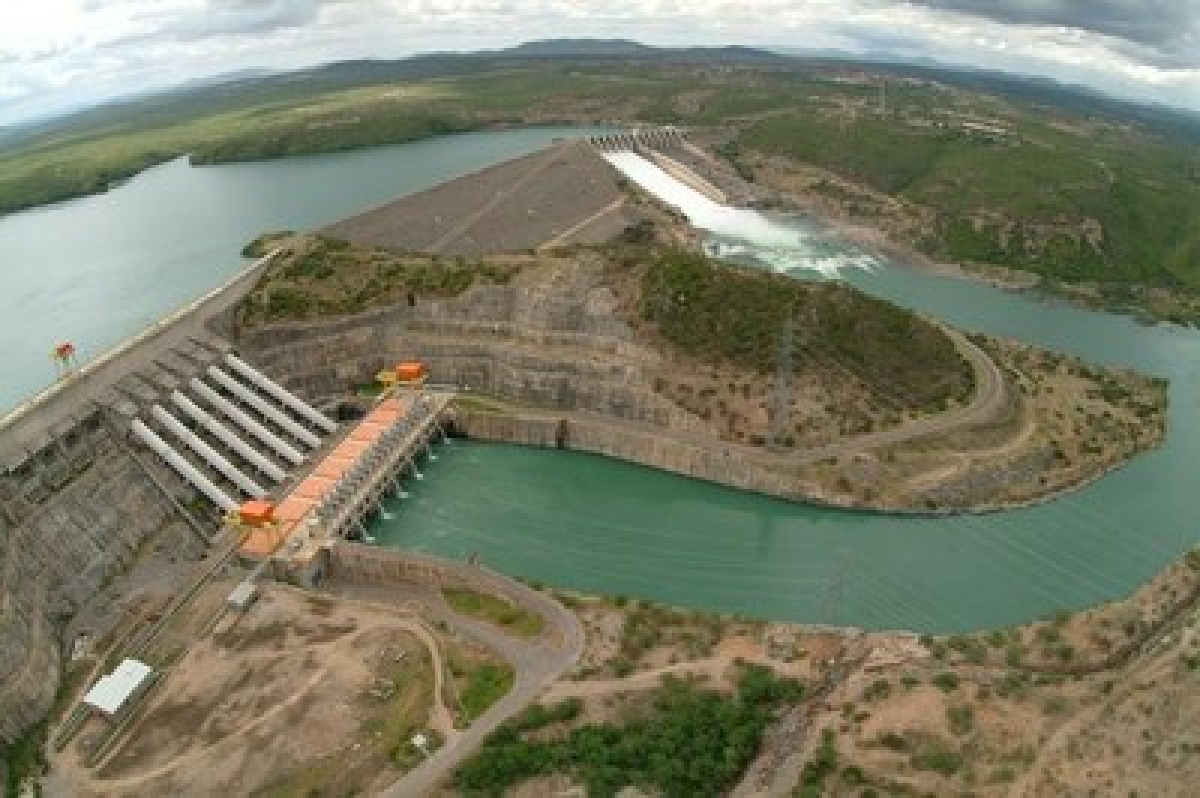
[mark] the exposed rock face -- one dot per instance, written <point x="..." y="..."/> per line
<point x="551" y="340"/>
<point x="73" y="516"/>
<point x="552" y="343"/>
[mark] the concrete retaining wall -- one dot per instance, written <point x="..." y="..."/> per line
<point x="356" y="563"/>
<point x="711" y="462"/>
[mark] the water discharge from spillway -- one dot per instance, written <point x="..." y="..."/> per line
<point x="745" y="234"/>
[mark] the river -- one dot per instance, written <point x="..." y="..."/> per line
<point x="96" y="270"/>
<point x="596" y="525"/>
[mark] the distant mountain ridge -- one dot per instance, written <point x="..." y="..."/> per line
<point x="224" y="91"/>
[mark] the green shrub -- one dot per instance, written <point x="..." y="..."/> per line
<point x="880" y="688"/>
<point x="946" y="681"/>
<point x="686" y="741"/>
<point x="961" y="718"/>
<point x="938" y="759"/>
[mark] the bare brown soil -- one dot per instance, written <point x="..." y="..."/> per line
<point x="302" y="692"/>
<point x="909" y="716"/>
<point x="930" y="727"/>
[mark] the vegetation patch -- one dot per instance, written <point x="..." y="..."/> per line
<point x="1115" y="211"/>
<point x="485" y="685"/>
<point x="319" y="277"/>
<point x="725" y="314"/>
<point x="494" y="610"/>
<point x="683" y="741"/>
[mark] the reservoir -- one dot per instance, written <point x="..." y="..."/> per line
<point x="98" y="269"/>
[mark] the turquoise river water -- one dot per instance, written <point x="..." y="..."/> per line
<point x="96" y="270"/>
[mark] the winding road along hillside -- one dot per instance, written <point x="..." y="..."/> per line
<point x="536" y="664"/>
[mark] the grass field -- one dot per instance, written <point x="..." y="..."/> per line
<point x="1074" y="205"/>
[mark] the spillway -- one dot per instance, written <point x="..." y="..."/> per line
<point x="742" y="231"/>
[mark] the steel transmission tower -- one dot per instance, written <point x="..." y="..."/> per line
<point x="785" y="378"/>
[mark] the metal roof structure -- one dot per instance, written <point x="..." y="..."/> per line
<point x="243" y="595"/>
<point x="112" y="692"/>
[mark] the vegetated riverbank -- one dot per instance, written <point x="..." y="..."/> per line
<point x="906" y="231"/>
<point x="659" y="356"/>
<point x="1095" y="699"/>
<point x="1099" y="209"/>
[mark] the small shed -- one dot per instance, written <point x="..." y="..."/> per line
<point x="112" y="693"/>
<point x="245" y="594"/>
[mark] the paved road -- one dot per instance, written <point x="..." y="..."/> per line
<point x="537" y="665"/>
<point x="988" y="400"/>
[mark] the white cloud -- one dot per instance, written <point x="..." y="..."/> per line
<point x="55" y="53"/>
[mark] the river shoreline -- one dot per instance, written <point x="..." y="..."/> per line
<point x="1086" y="295"/>
<point x="543" y="429"/>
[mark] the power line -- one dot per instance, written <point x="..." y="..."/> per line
<point x="785" y="377"/>
<point x="835" y="589"/>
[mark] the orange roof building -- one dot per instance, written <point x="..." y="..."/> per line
<point x="272" y="524"/>
<point x="257" y="512"/>
<point x="410" y="371"/>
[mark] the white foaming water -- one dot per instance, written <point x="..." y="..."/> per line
<point x="743" y="233"/>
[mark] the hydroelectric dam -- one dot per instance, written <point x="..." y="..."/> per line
<point x="84" y="499"/>
<point x="193" y="435"/>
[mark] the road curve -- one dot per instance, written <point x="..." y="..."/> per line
<point x="988" y="400"/>
<point x="536" y="665"/>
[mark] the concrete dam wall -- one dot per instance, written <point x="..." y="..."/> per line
<point x="73" y="517"/>
<point x="78" y="499"/>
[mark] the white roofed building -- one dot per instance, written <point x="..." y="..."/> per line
<point x="112" y="693"/>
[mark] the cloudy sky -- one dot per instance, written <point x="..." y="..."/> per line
<point x="58" y="54"/>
